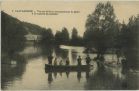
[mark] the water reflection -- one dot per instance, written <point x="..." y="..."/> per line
<point x="106" y="79"/>
<point x="61" y="53"/>
<point x="50" y="78"/>
<point x="11" y="72"/>
<point x="46" y="51"/>
<point x="55" y="74"/>
<point x="87" y="75"/>
<point x="67" y="73"/>
<point x="79" y="75"/>
<point x="29" y="73"/>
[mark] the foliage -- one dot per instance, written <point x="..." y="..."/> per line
<point x="101" y="27"/>
<point x="65" y="36"/>
<point x="103" y="32"/>
<point x="12" y="33"/>
<point x="47" y="37"/>
<point x="130" y="43"/>
<point x="75" y="38"/>
<point x="62" y="37"/>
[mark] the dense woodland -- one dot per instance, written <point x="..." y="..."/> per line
<point x="103" y="32"/>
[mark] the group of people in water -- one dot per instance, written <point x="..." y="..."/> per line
<point x="79" y="60"/>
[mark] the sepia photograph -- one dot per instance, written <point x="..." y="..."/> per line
<point x="69" y="45"/>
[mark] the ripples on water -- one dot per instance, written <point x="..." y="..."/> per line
<point x="29" y="73"/>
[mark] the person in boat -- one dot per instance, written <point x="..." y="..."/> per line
<point x="79" y="60"/>
<point x="88" y="60"/>
<point x="124" y="63"/>
<point x="67" y="61"/>
<point x="118" y="56"/>
<point x="50" y="58"/>
<point x="61" y="62"/>
<point x="55" y="61"/>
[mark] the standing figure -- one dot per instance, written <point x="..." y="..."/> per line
<point x="88" y="59"/>
<point x="118" y="56"/>
<point x="79" y="60"/>
<point x="124" y="63"/>
<point x="50" y="57"/>
<point x="55" y="61"/>
<point x="61" y="63"/>
<point x="67" y="61"/>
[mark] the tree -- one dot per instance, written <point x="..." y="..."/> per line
<point x="74" y="33"/>
<point x="133" y="32"/>
<point x="62" y="37"/>
<point x="65" y="36"/>
<point x="130" y="42"/>
<point x="75" y="38"/>
<point x="47" y="36"/>
<point x="101" y="27"/>
<point x="12" y="34"/>
<point x="58" y="38"/>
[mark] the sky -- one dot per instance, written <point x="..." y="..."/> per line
<point x="123" y="10"/>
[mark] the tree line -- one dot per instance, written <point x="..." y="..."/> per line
<point x="13" y="33"/>
<point x="104" y="32"/>
<point x="61" y="37"/>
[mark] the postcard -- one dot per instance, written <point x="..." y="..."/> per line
<point x="69" y="45"/>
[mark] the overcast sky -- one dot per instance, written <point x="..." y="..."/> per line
<point x="123" y="11"/>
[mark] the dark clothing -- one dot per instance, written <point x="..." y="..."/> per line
<point x="50" y="59"/>
<point x="67" y="62"/>
<point x="88" y="59"/>
<point x="61" y="63"/>
<point x="79" y="61"/>
<point x="55" y="62"/>
<point x="124" y="63"/>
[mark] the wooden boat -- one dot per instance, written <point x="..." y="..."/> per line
<point x="113" y="65"/>
<point x="110" y="64"/>
<point x="64" y="68"/>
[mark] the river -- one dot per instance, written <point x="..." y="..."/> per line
<point x="28" y="73"/>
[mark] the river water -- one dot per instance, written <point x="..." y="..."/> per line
<point x="26" y="72"/>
